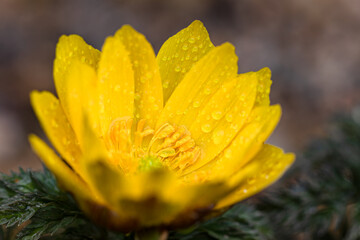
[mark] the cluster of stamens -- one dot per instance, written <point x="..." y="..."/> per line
<point x="129" y="146"/>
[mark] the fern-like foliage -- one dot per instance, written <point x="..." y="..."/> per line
<point x="321" y="198"/>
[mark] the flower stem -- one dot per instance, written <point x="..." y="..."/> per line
<point x="151" y="234"/>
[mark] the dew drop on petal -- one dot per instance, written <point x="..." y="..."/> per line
<point x="228" y="153"/>
<point x="229" y="117"/>
<point x="206" y="128"/>
<point x="177" y="68"/>
<point x="54" y="123"/>
<point x="251" y="180"/>
<point x="218" y="136"/>
<point x="196" y="104"/>
<point x="191" y="40"/>
<point x="207" y="91"/>
<point x="216" y="115"/>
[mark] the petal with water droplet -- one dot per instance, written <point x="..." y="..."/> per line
<point x="263" y="88"/>
<point x="198" y="85"/>
<point x="56" y="126"/>
<point x="188" y="45"/>
<point x="264" y="169"/>
<point x="241" y="93"/>
<point x="68" y="179"/>
<point x="115" y="72"/>
<point x="69" y="49"/>
<point x="148" y="88"/>
<point x="81" y="97"/>
<point x="244" y="146"/>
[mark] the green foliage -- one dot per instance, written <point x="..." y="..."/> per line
<point x="33" y="207"/>
<point x="319" y="199"/>
<point x="240" y="222"/>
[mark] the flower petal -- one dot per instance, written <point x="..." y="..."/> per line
<point x="56" y="126"/>
<point x="263" y="89"/>
<point x="148" y="88"/>
<point x="155" y="197"/>
<point x="244" y="146"/>
<point x="264" y="169"/>
<point x="179" y="53"/>
<point x="81" y="95"/>
<point x="199" y="84"/>
<point x="67" y="178"/>
<point x="222" y="117"/>
<point x="116" y="83"/>
<point x="69" y="49"/>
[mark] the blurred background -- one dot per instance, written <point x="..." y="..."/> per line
<point x="312" y="48"/>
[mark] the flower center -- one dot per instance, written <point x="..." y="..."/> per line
<point x="137" y="147"/>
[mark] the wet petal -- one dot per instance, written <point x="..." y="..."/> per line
<point x="263" y="88"/>
<point x="222" y="117"/>
<point x="199" y="84"/>
<point x="67" y="178"/>
<point x="148" y="88"/>
<point x="179" y="53"/>
<point x="264" y="169"/>
<point x="69" y="49"/>
<point x="56" y="126"/>
<point x="116" y="83"/>
<point x="244" y="146"/>
<point x="81" y="97"/>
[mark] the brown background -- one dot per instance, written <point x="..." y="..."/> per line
<point x="311" y="46"/>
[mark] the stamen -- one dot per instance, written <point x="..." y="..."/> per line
<point x="172" y="145"/>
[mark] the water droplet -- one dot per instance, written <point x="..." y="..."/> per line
<point x="195" y="49"/>
<point x="207" y="91"/>
<point x="229" y="117"/>
<point x="191" y="40"/>
<point x="165" y="84"/>
<point x="251" y="180"/>
<point x="228" y="153"/>
<point x="206" y="128"/>
<point x="218" y="136"/>
<point x="177" y="68"/>
<point x="196" y="104"/>
<point x="117" y="88"/>
<point x="164" y="59"/>
<point x="54" y="123"/>
<point x="216" y="115"/>
<point x="185" y="47"/>
<point x="65" y="141"/>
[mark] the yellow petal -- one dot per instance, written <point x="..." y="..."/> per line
<point x="81" y="96"/>
<point x="265" y="168"/>
<point x="199" y="84"/>
<point x="116" y="83"/>
<point x="69" y="49"/>
<point x="56" y="126"/>
<point x="243" y="148"/>
<point x="179" y="53"/>
<point x="67" y="178"/>
<point x="148" y="89"/>
<point x="263" y="89"/>
<point x="222" y="117"/>
<point x="152" y="198"/>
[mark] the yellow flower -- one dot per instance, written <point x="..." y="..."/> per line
<point x="148" y="141"/>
